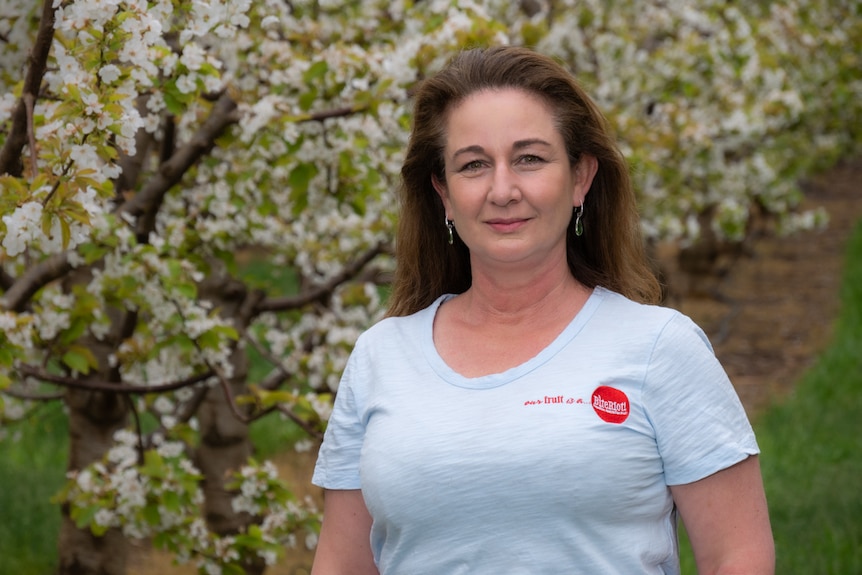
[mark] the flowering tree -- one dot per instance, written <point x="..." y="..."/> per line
<point x="149" y="149"/>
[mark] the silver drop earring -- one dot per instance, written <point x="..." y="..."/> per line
<point x="450" y="225"/>
<point x="579" y="225"/>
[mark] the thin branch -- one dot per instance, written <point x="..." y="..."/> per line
<point x="130" y="402"/>
<point x="321" y="292"/>
<point x="308" y="428"/>
<point x="35" y="278"/>
<point x="279" y="374"/>
<point x="10" y="154"/>
<point x="248" y="309"/>
<point x="327" y="114"/>
<point x="225" y="387"/>
<point x="275" y="378"/>
<point x="40" y="374"/>
<point x="31" y="396"/>
<point x="56" y="186"/>
<point x="190" y="407"/>
<point x="29" y="105"/>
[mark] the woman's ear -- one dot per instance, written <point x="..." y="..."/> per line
<point x="585" y="171"/>
<point x="442" y="190"/>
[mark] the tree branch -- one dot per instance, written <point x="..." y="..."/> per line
<point x="43" y="273"/>
<point x="35" y="372"/>
<point x="306" y="427"/>
<point x="229" y="399"/>
<point x="10" y="154"/>
<point x="6" y="280"/>
<point x="321" y="292"/>
<point x="32" y="396"/>
<point x="279" y="373"/>
<point x="190" y="407"/>
<point x="222" y="115"/>
<point x="131" y="166"/>
<point x="29" y="107"/>
<point x="326" y="114"/>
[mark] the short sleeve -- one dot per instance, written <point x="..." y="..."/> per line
<point x="337" y="464"/>
<point x="700" y="424"/>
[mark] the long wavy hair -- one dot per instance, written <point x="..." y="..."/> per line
<point x="610" y="252"/>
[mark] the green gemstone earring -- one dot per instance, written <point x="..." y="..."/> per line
<point x="579" y="225"/>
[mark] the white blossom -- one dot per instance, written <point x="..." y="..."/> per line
<point x="22" y="227"/>
<point x="109" y="73"/>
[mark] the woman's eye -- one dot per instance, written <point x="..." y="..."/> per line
<point x="531" y="159"/>
<point x="474" y="165"/>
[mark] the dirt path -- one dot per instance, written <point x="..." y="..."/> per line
<point x="776" y="305"/>
<point x="770" y="316"/>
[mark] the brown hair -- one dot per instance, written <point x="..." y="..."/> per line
<point x="610" y="253"/>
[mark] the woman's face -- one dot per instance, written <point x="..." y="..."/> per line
<point x="509" y="185"/>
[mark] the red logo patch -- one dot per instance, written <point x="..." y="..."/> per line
<point x="611" y="404"/>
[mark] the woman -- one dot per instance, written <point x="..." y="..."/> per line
<point x="522" y="409"/>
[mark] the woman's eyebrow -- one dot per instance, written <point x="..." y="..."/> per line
<point x="518" y="145"/>
<point x="474" y="149"/>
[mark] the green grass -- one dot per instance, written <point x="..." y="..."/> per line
<point x="272" y="435"/>
<point x="811" y="451"/>
<point x="31" y="471"/>
<point x="811" y="458"/>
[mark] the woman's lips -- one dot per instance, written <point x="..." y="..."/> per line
<point x="506" y="224"/>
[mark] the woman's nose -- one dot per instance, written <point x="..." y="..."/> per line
<point x="505" y="187"/>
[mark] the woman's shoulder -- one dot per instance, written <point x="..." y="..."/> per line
<point x="618" y="303"/>
<point x="625" y="313"/>
<point x="403" y="325"/>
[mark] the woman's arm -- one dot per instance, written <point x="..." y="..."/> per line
<point x="344" y="547"/>
<point x="727" y="521"/>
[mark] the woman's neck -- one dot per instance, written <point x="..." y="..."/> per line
<point x="522" y="298"/>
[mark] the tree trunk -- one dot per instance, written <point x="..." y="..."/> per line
<point x="93" y="419"/>
<point x="225" y="445"/>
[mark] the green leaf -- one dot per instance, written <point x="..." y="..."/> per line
<point x="79" y="359"/>
<point x="173" y="100"/>
<point x="6" y="356"/>
<point x="172" y="501"/>
<point x="317" y="70"/>
<point x="154" y="465"/>
<point x="233" y="569"/>
<point x="299" y="179"/>
<point x="187" y="290"/>
<point x="164" y="540"/>
<point x="209" y="340"/>
<point x="84" y="516"/>
<point x="151" y="514"/>
<point x="271" y="398"/>
<point x="76" y="330"/>
<point x="185" y="433"/>
<point x="182" y="342"/>
<point x="306" y="100"/>
<point x="227" y="331"/>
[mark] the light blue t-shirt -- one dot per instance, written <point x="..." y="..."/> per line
<point x="559" y="465"/>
